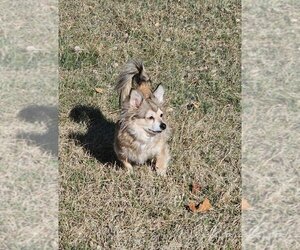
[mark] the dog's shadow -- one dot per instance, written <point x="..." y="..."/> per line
<point x="47" y="141"/>
<point x="99" y="137"/>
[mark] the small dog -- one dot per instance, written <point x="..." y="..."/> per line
<point x="141" y="133"/>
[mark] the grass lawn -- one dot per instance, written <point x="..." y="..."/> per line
<point x="28" y="170"/>
<point x="193" y="49"/>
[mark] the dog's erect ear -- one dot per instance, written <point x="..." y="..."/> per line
<point x="136" y="99"/>
<point x="159" y="93"/>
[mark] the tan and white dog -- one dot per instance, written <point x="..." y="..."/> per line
<point x="141" y="133"/>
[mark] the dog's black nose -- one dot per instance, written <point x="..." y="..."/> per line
<point x="163" y="126"/>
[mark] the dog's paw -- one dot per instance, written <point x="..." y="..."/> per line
<point x="129" y="171"/>
<point x="128" y="167"/>
<point x="161" y="171"/>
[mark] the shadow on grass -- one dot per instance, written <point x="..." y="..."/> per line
<point x="99" y="137"/>
<point x="47" y="141"/>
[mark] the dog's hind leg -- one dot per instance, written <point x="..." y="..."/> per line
<point x="162" y="161"/>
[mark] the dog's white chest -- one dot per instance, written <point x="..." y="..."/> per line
<point x="143" y="151"/>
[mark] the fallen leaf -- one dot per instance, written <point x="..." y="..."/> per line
<point x="77" y="49"/>
<point x="204" y="68"/>
<point x="99" y="90"/>
<point x="201" y="208"/>
<point x="245" y="204"/>
<point x="205" y="206"/>
<point x="196" y="187"/>
<point x="126" y="37"/>
<point x="31" y="48"/>
<point x="192" y="206"/>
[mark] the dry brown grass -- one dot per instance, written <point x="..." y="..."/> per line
<point x="193" y="48"/>
<point x="28" y="173"/>
<point x="271" y="131"/>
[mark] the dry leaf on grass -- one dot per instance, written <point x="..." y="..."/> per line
<point x="192" y="206"/>
<point x="99" y="90"/>
<point x="77" y="49"/>
<point x="205" y="206"/>
<point x="196" y="187"/>
<point x="202" y="208"/>
<point x="245" y="204"/>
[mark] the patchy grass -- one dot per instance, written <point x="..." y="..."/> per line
<point x="271" y="131"/>
<point x="193" y="48"/>
<point x="28" y="169"/>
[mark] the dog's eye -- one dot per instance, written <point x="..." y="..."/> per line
<point x="161" y="115"/>
<point x="151" y="117"/>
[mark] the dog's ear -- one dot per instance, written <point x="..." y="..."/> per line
<point x="159" y="93"/>
<point x="136" y="99"/>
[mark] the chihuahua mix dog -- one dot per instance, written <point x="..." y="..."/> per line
<point x="141" y="132"/>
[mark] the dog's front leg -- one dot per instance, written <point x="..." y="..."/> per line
<point x="128" y="166"/>
<point x="162" y="161"/>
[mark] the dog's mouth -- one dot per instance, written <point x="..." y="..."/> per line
<point x="154" y="132"/>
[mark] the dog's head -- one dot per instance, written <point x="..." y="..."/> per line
<point x="146" y="114"/>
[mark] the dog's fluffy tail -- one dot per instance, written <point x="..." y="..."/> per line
<point x="132" y="73"/>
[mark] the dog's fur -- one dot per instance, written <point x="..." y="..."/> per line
<point x="141" y="133"/>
